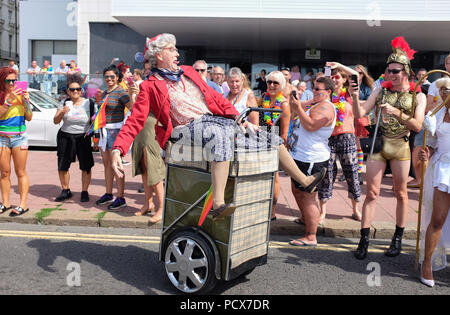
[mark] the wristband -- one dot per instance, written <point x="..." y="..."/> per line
<point x="117" y="150"/>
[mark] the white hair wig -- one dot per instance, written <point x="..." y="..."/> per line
<point x="277" y="76"/>
<point x="156" y="46"/>
<point x="443" y="82"/>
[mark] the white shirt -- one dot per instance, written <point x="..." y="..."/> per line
<point x="310" y="147"/>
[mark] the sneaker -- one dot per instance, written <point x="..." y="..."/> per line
<point x="106" y="198"/>
<point x="125" y="163"/>
<point x="65" y="194"/>
<point x="117" y="204"/>
<point x="84" y="196"/>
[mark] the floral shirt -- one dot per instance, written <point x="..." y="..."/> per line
<point x="187" y="102"/>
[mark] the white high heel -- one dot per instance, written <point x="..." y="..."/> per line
<point x="428" y="283"/>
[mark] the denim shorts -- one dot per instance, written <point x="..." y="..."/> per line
<point x="111" y="135"/>
<point x="14" y="141"/>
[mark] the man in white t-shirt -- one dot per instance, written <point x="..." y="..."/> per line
<point x="33" y="73"/>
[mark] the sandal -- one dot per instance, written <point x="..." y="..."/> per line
<point x="154" y="220"/>
<point x="299" y="221"/>
<point x="141" y="213"/>
<point x="20" y="211"/>
<point x="3" y="208"/>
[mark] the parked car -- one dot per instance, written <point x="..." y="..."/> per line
<point x="41" y="131"/>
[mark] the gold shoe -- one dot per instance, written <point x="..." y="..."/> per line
<point x="225" y="210"/>
<point x="319" y="176"/>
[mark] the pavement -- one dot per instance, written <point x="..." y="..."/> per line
<point x="45" y="187"/>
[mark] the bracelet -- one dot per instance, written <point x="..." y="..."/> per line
<point x="7" y="104"/>
<point x="116" y="150"/>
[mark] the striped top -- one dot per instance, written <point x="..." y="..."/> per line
<point x="117" y="101"/>
<point x="13" y="122"/>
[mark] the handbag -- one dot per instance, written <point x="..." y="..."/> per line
<point x="366" y="143"/>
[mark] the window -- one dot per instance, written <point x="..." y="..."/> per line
<point x="44" y="49"/>
<point x="10" y="46"/>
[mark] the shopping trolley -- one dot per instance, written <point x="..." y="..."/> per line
<point x="197" y="255"/>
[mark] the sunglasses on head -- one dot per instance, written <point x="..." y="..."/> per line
<point x="75" y="89"/>
<point x="200" y="70"/>
<point x="10" y="81"/>
<point x="269" y="82"/>
<point x="395" y="71"/>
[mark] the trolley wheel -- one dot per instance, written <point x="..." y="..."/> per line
<point x="190" y="263"/>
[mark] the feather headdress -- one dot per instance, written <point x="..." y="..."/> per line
<point x="402" y="53"/>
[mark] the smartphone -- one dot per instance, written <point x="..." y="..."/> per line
<point x="328" y="72"/>
<point x="23" y="85"/>
<point x="354" y="78"/>
<point x="130" y="81"/>
<point x="294" y="94"/>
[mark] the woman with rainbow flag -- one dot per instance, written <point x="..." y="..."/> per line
<point x="108" y="121"/>
<point x="184" y="105"/>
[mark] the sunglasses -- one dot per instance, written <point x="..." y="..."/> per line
<point x="335" y="77"/>
<point x="394" y="71"/>
<point x="112" y="77"/>
<point x="10" y="81"/>
<point x="75" y="89"/>
<point x="200" y="70"/>
<point x="317" y="89"/>
<point x="269" y="82"/>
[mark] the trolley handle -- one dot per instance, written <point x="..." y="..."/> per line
<point x="247" y="112"/>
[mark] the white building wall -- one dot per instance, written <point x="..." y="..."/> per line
<point x="387" y="10"/>
<point x="45" y="20"/>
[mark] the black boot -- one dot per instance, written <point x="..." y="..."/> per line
<point x="65" y="194"/>
<point x="361" y="251"/>
<point x="396" y="244"/>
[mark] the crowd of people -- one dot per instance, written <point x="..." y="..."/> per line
<point x="52" y="81"/>
<point x="330" y="112"/>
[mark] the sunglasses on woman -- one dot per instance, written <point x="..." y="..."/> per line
<point x="394" y="71"/>
<point x="75" y="89"/>
<point x="10" y="81"/>
<point x="112" y="77"/>
<point x="269" y="82"/>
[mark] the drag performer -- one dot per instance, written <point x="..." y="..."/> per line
<point x="436" y="201"/>
<point x="394" y="101"/>
<point x="181" y="100"/>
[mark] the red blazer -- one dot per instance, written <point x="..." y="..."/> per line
<point x="154" y="97"/>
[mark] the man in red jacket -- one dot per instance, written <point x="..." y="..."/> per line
<point x="183" y="105"/>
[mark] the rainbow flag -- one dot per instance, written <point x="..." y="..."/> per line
<point x="99" y="118"/>
<point x="207" y="206"/>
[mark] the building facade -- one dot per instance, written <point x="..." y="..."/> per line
<point x="48" y="32"/>
<point x="253" y="34"/>
<point x="9" y="31"/>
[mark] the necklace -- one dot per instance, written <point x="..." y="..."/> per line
<point x="115" y="87"/>
<point x="339" y="103"/>
<point x="236" y="98"/>
<point x="270" y="118"/>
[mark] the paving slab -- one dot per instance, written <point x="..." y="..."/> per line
<point x="45" y="187"/>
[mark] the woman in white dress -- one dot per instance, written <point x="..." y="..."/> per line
<point x="436" y="197"/>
